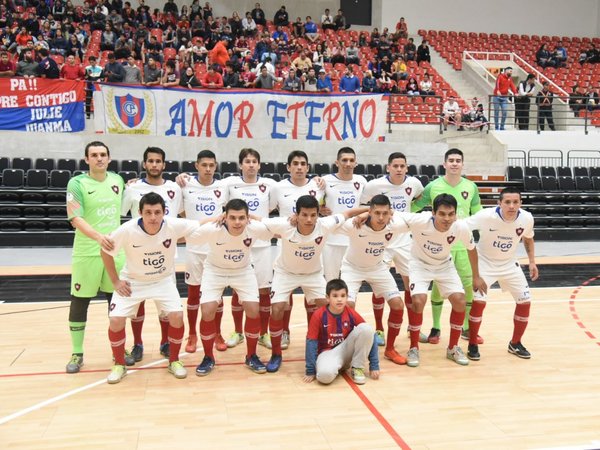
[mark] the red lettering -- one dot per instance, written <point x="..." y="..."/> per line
<point x="198" y="124"/>
<point x="367" y="104"/>
<point x="293" y="109"/>
<point x="331" y="113"/>
<point x="243" y="113"/>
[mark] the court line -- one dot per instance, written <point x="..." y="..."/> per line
<point x="574" y="313"/>
<point x="382" y="420"/>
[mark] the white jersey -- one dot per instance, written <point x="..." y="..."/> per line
<point x="150" y="257"/>
<point x="340" y="196"/>
<point x="169" y="191"/>
<point x="227" y="252"/>
<point x="498" y="239"/>
<point x="301" y="254"/>
<point x="256" y="195"/>
<point x="286" y="195"/>
<point x="400" y="195"/>
<point x="431" y="246"/>
<point x="367" y="246"/>
<point x="203" y="202"/>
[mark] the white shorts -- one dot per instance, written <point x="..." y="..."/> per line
<point x="263" y="265"/>
<point x="194" y="267"/>
<point x="214" y="282"/>
<point x="381" y="280"/>
<point x="510" y="277"/>
<point x="331" y="257"/>
<point x="284" y="283"/>
<point x="400" y="256"/>
<point x="445" y="275"/>
<point x="164" y="293"/>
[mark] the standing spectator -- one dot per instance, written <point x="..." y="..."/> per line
<point x="236" y="24"/>
<point x="170" y="76"/>
<point x="258" y="15"/>
<point x="327" y="21"/>
<point x="212" y="79"/>
<point x="47" y="67"/>
<point x="231" y="79"/>
<point x="207" y="11"/>
<point x="352" y="54"/>
<point x="188" y="79"/>
<point x="248" y="25"/>
<point x="71" y="71"/>
<point x="412" y="87"/>
<point x="523" y="100"/>
<point x="152" y="74"/>
<point x="369" y="84"/>
<point x="423" y="52"/>
<point x="113" y="70"/>
<point x="219" y="54"/>
<point x="451" y="113"/>
<point x="349" y="83"/>
<point x="7" y="67"/>
<point x="426" y="85"/>
<point x="309" y="81"/>
<point x="339" y="21"/>
<point x="410" y="50"/>
<point x="281" y="17"/>
<point x="310" y="30"/>
<point x="171" y="7"/>
<point x="292" y="82"/>
<point x="544" y="102"/>
<point x="401" y="29"/>
<point x="133" y="74"/>
<point x="324" y="82"/>
<point x="504" y="87"/>
<point x="93" y="73"/>
<point x="265" y="80"/>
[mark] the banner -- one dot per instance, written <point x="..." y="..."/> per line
<point x="242" y="114"/>
<point x="38" y="104"/>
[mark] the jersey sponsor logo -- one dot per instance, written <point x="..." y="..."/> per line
<point x="312" y="193"/>
<point x="77" y="286"/>
<point x="347" y="201"/>
<point x="408" y="190"/>
<point x="464" y="194"/>
<point x="519" y="231"/>
<point x="503" y="246"/>
<point x="319" y="240"/>
<point x="167" y="243"/>
<point x="247" y="242"/>
<point x="217" y="193"/>
<point x="208" y="209"/>
<point x="115" y="189"/>
<point x="356" y="185"/>
<point x="171" y="194"/>
<point x="262" y="188"/>
<point x="450" y="239"/>
<point x="388" y="236"/>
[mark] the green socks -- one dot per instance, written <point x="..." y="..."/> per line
<point x="77" y="334"/>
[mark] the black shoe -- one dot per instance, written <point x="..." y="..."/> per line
<point x="434" y="336"/>
<point x="137" y="351"/>
<point x="518" y="350"/>
<point x="473" y="353"/>
<point x="164" y="349"/>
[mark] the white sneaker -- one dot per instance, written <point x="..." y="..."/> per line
<point x="265" y="341"/>
<point x="117" y="373"/>
<point x="358" y="375"/>
<point x="235" y="339"/>
<point x="177" y="369"/>
<point x="412" y="357"/>
<point x="456" y="354"/>
<point x="285" y="340"/>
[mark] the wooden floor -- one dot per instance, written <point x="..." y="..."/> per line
<point x="500" y="402"/>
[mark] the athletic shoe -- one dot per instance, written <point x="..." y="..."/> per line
<point x="192" y="343"/>
<point x="380" y="338"/>
<point x="516" y="349"/>
<point x="177" y="369"/>
<point x="137" y="351"/>
<point x="235" y="339"/>
<point x="423" y="338"/>
<point x="274" y="363"/>
<point x="265" y="341"/>
<point x="473" y="352"/>
<point x="456" y="354"/>
<point x="129" y="359"/>
<point x="255" y="364"/>
<point x="75" y="364"/>
<point x="117" y="373"/>
<point x="164" y="349"/>
<point x="285" y="340"/>
<point x="358" y="375"/>
<point x="465" y="335"/>
<point x="220" y="344"/>
<point x="412" y="357"/>
<point x="394" y="356"/>
<point x="434" y="336"/>
<point x="205" y="367"/>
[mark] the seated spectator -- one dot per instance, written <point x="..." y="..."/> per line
<point x="292" y="82"/>
<point x="352" y="54"/>
<point x="188" y="79"/>
<point x="412" y="87"/>
<point x="423" y="52"/>
<point x="309" y="81"/>
<point x="267" y="63"/>
<point x="592" y="100"/>
<point x="207" y="11"/>
<point x="170" y="37"/>
<point x="327" y="21"/>
<point x="74" y="47"/>
<point x="154" y="49"/>
<point x="280" y="34"/>
<point x="258" y="15"/>
<point x="426" y="85"/>
<point x="401" y="29"/>
<point x="338" y="54"/>
<point x="231" y="79"/>
<point x="171" y="7"/>
<point x="349" y="83"/>
<point x="123" y="47"/>
<point x="592" y="55"/>
<point x="369" y="83"/>
<point x="302" y="62"/>
<point x="281" y="17"/>
<point x="265" y="80"/>
<point x="363" y="39"/>
<point x="133" y="74"/>
<point x="113" y="70"/>
<point x="298" y="27"/>
<point x="247" y="76"/>
<point x="410" y="50"/>
<point x="451" y="113"/>
<point x="375" y="66"/>
<point x="560" y="55"/>
<point x="59" y="43"/>
<point x="543" y="57"/>
<point x="339" y="21"/>
<point x="310" y="30"/>
<point x="7" y="67"/>
<point x="320" y="56"/>
<point x="108" y="39"/>
<point x="473" y="116"/>
<point x="248" y="25"/>
<point x="71" y="71"/>
<point x="324" y="82"/>
<point x="385" y="84"/>
<point x="212" y="79"/>
<point x="384" y="47"/>
<point x="183" y="36"/>
<point x="235" y="24"/>
<point x="385" y="66"/>
<point x="577" y="99"/>
<point x="399" y="69"/>
<point x="151" y="73"/>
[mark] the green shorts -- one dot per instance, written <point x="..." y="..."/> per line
<point x="89" y="276"/>
<point x="460" y="256"/>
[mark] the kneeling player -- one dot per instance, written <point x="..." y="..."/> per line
<point x="500" y="230"/>
<point x="338" y="338"/>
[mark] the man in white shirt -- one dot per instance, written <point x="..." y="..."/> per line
<point x="451" y="113"/>
<point x="401" y="189"/>
<point x="500" y="231"/>
<point x="150" y="244"/>
<point x="154" y="165"/>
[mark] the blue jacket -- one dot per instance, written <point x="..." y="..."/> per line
<point x="349" y="84"/>
<point x="324" y="83"/>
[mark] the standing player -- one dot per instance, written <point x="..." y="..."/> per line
<point x="228" y="264"/>
<point x="154" y="165"/>
<point x="93" y="207"/>
<point x="284" y="198"/>
<point x="500" y="230"/>
<point x="256" y="191"/>
<point x="467" y="196"/>
<point x="364" y="261"/>
<point x="150" y="243"/>
<point x="401" y="189"/>
<point x="342" y="192"/>
<point x="434" y="234"/>
<point x="203" y="198"/>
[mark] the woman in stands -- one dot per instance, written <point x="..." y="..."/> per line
<point x="543" y="57"/>
<point x="426" y="85"/>
<point x="188" y="79"/>
<point x="369" y="84"/>
<point x="385" y="83"/>
<point x="412" y="87"/>
<point x="399" y="69"/>
<point x="338" y="54"/>
<point x="236" y="24"/>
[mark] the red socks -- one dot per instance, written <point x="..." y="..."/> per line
<point x="378" y="305"/>
<point x="237" y="311"/>
<point x="456" y="323"/>
<point x="251" y="330"/>
<point x="208" y="333"/>
<point x="394" y="322"/>
<point x="117" y="343"/>
<point x="164" y="329"/>
<point x="287" y="314"/>
<point x="264" y="304"/>
<point x="475" y="320"/>
<point x="175" y="340"/>
<point x="276" y="330"/>
<point x="520" y="320"/>
<point x="193" y="304"/>
<point x="137" y="323"/>
<point x="415" y="320"/>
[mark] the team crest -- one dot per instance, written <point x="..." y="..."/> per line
<point x="408" y="190"/>
<point x="388" y="236"/>
<point x="217" y="193"/>
<point x="356" y="185"/>
<point x="312" y="193"/>
<point x="167" y="243"/>
<point x="171" y="194"/>
<point x="450" y="239"/>
<point x="247" y="242"/>
<point x="464" y="194"/>
<point x="133" y="112"/>
<point x="520" y="231"/>
<point x="319" y="239"/>
<point x="262" y="188"/>
<point x="115" y="189"/>
<point x="77" y="286"/>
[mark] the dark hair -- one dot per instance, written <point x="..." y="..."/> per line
<point x="248" y="152"/>
<point x="444" y="200"/>
<point x="307" y="202"/>
<point x="152" y="198"/>
<point x="509" y="190"/>
<point x="158" y="150"/>
<point x="43" y="52"/>
<point x="335" y="285"/>
<point x="236" y="204"/>
<point x="454" y="151"/>
<point x="380" y="200"/>
<point x="206" y="154"/>
<point x="296" y="154"/>
<point x="345" y="150"/>
<point x="396" y="155"/>
<point x="96" y="144"/>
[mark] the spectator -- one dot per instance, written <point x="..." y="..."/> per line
<point x="219" y="54"/>
<point x="560" y="55"/>
<point x="309" y="81"/>
<point x="473" y="115"/>
<point x="577" y="100"/>
<point x="123" y="47"/>
<point x="543" y="57"/>
<point x="171" y="7"/>
<point x="426" y="85"/>
<point x="352" y="54"/>
<point x="523" y="100"/>
<point x="451" y="113"/>
<point x="292" y="82"/>
<point x="247" y="77"/>
<point x="423" y="52"/>
<point x="98" y="20"/>
<point x="592" y="55"/>
<point x="349" y="83"/>
<point x="544" y="102"/>
<point x="133" y="74"/>
<point x="207" y="11"/>
<point x="280" y="34"/>
<point x="412" y="87"/>
<point x="339" y="21"/>
<point x="183" y="36"/>
<point x="324" y="82"/>
<point x="265" y="80"/>
<point x="169" y="39"/>
<point x="74" y="47"/>
<point x="154" y="49"/>
<point x="188" y="79"/>
<point x="410" y="50"/>
<point x="298" y="27"/>
<point x="369" y="84"/>
<point x="385" y="66"/>
<point x="338" y="54"/>
<point x="248" y="25"/>
<point x="503" y="89"/>
<point x="236" y="24"/>
<point x="267" y="63"/>
<point x="321" y="55"/>
<point x="231" y="79"/>
<point x="384" y="47"/>
<point x="21" y="40"/>
<point x="401" y="30"/>
<point x="302" y="62"/>
<point x="71" y="71"/>
<point x="310" y="30"/>
<point x="399" y="70"/>
<point x="47" y="67"/>
<point x="212" y="79"/>
<point x="258" y="15"/>
<point x="170" y="76"/>
<point x="592" y="99"/>
<point x="385" y="84"/>
<point x="113" y="70"/>
<point x="7" y="67"/>
<point x="152" y="74"/>
<point x="327" y="21"/>
<point x="59" y="43"/>
<point x="281" y="17"/>
<point x="261" y="47"/>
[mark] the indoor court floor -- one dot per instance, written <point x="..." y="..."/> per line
<point x="551" y="401"/>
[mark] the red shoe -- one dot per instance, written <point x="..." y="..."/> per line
<point x="394" y="356"/>
<point x="220" y="344"/>
<point x="192" y="342"/>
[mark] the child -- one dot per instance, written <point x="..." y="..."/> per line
<point x="339" y="338"/>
